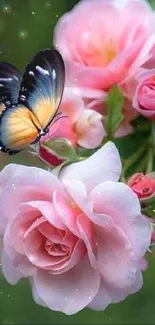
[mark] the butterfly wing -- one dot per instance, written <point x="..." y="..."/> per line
<point x="2" y="107"/>
<point x="10" y="81"/>
<point x="18" y="129"/>
<point x="42" y="85"/>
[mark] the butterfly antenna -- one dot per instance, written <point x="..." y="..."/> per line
<point x="59" y="118"/>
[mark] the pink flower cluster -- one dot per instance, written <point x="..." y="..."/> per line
<point x="79" y="235"/>
<point x="104" y="43"/>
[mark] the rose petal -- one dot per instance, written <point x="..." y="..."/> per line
<point x="10" y="272"/>
<point x="20" y="262"/>
<point x="72" y="104"/>
<point x="36" y="297"/>
<point x="116" y="258"/>
<point x="47" y="210"/>
<point x="122" y="204"/>
<point x="67" y="211"/>
<point x="28" y="184"/>
<point x="87" y="234"/>
<point x="78" y="193"/>
<point x="107" y="294"/>
<point x="103" y="165"/>
<point x="89" y="129"/>
<point x="76" y="256"/>
<point x="18" y="227"/>
<point x="69" y="292"/>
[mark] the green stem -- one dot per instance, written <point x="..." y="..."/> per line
<point x="149" y="167"/>
<point x="136" y="156"/>
<point x="153" y="134"/>
<point x="142" y="165"/>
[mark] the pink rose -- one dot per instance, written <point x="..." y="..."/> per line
<point x="144" y="97"/>
<point x="81" y="126"/>
<point x="79" y="237"/>
<point x="105" y="42"/>
<point x="142" y="185"/>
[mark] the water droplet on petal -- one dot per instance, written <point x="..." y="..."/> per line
<point x="65" y="299"/>
<point x="89" y="297"/>
<point x="76" y="290"/>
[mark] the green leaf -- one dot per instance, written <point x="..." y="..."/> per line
<point x="152" y="3"/>
<point x="148" y="201"/>
<point x="114" y="104"/>
<point x="149" y="211"/>
<point x="62" y="148"/>
<point x="141" y="124"/>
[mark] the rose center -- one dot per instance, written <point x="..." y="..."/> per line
<point x="109" y="52"/>
<point x="56" y="249"/>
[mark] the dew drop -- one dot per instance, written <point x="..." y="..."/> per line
<point x="89" y="297"/>
<point x="57" y="16"/>
<point x="76" y="290"/>
<point x="22" y="34"/>
<point x="8" y="296"/>
<point x="65" y="299"/>
<point x="33" y="13"/>
<point x="6" y="9"/>
<point x="47" y="5"/>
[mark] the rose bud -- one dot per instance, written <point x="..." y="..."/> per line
<point x="142" y="185"/>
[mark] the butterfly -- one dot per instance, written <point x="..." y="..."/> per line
<point x="32" y="101"/>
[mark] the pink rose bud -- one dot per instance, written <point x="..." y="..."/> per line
<point x="142" y="185"/>
<point x="49" y="157"/>
<point x="144" y="98"/>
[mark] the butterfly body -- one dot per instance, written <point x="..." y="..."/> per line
<point x="38" y="101"/>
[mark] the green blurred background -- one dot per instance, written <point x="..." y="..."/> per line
<point x="26" y="26"/>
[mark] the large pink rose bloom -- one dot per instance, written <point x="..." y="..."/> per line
<point x="79" y="238"/>
<point x="105" y="42"/>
